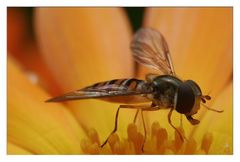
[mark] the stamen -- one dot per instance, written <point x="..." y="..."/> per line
<point x="135" y="137"/>
<point x="113" y="139"/>
<point x="162" y="136"/>
<point x="132" y="131"/>
<point x="158" y="143"/>
<point x="84" y="145"/>
<point x="191" y="146"/>
<point x="93" y="136"/>
<point x="206" y="142"/>
<point x="93" y="149"/>
<point x="129" y="147"/>
<point x="155" y="127"/>
<point x="150" y="146"/>
<point x="89" y="148"/>
<point x="138" y="143"/>
<point x="178" y="140"/>
<point x="118" y="148"/>
<point x="106" y="150"/>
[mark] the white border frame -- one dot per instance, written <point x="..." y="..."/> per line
<point x="236" y="63"/>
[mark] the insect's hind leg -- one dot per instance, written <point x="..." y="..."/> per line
<point x="135" y="117"/>
<point x="143" y="107"/>
<point x="116" y="121"/>
<point x="115" y="127"/>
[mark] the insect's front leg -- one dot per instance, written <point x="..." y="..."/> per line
<point x="170" y="122"/>
<point x="192" y="120"/>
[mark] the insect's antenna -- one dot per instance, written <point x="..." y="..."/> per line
<point x="205" y="97"/>
<point x="211" y="109"/>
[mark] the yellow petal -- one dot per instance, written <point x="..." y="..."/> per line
<point x="13" y="149"/>
<point x="220" y="125"/>
<point x="200" y="41"/>
<point x="83" y="46"/>
<point x="35" y="125"/>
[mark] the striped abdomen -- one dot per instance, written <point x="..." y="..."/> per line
<point x="120" y="84"/>
<point x="118" y="90"/>
<point x="123" y="90"/>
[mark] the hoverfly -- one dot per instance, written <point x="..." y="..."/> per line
<point x="167" y="91"/>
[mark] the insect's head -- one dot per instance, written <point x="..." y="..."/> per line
<point x="188" y="99"/>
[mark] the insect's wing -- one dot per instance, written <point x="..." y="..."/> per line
<point x="150" y="49"/>
<point x="119" y="90"/>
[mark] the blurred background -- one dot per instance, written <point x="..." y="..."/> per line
<point x="23" y="47"/>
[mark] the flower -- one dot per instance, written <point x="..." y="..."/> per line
<point x="80" y="46"/>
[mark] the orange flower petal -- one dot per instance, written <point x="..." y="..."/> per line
<point x="83" y="46"/>
<point x="35" y="125"/>
<point x="13" y="149"/>
<point x="221" y="125"/>
<point x="32" y="62"/>
<point x="200" y="41"/>
<point x="23" y="47"/>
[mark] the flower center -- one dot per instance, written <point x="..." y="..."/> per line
<point x="157" y="143"/>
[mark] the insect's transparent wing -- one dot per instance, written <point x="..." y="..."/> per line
<point x="150" y="49"/>
<point x="109" y="92"/>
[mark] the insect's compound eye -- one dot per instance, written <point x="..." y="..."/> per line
<point x="195" y="87"/>
<point x="185" y="98"/>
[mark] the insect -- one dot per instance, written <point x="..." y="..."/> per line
<point x="167" y="91"/>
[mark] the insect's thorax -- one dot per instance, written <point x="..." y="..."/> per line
<point x="171" y="92"/>
<point x="165" y="88"/>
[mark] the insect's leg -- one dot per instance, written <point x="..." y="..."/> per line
<point x="115" y="127"/>
<point x="192" y="120"/>
<point x="135" y="117"/>
<point x="116" y="118"/>
<point x="145" y="131"/>
<point x="170" y="122"/>
<point x="142" y="107"/>
<point x="152" y="107"/>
